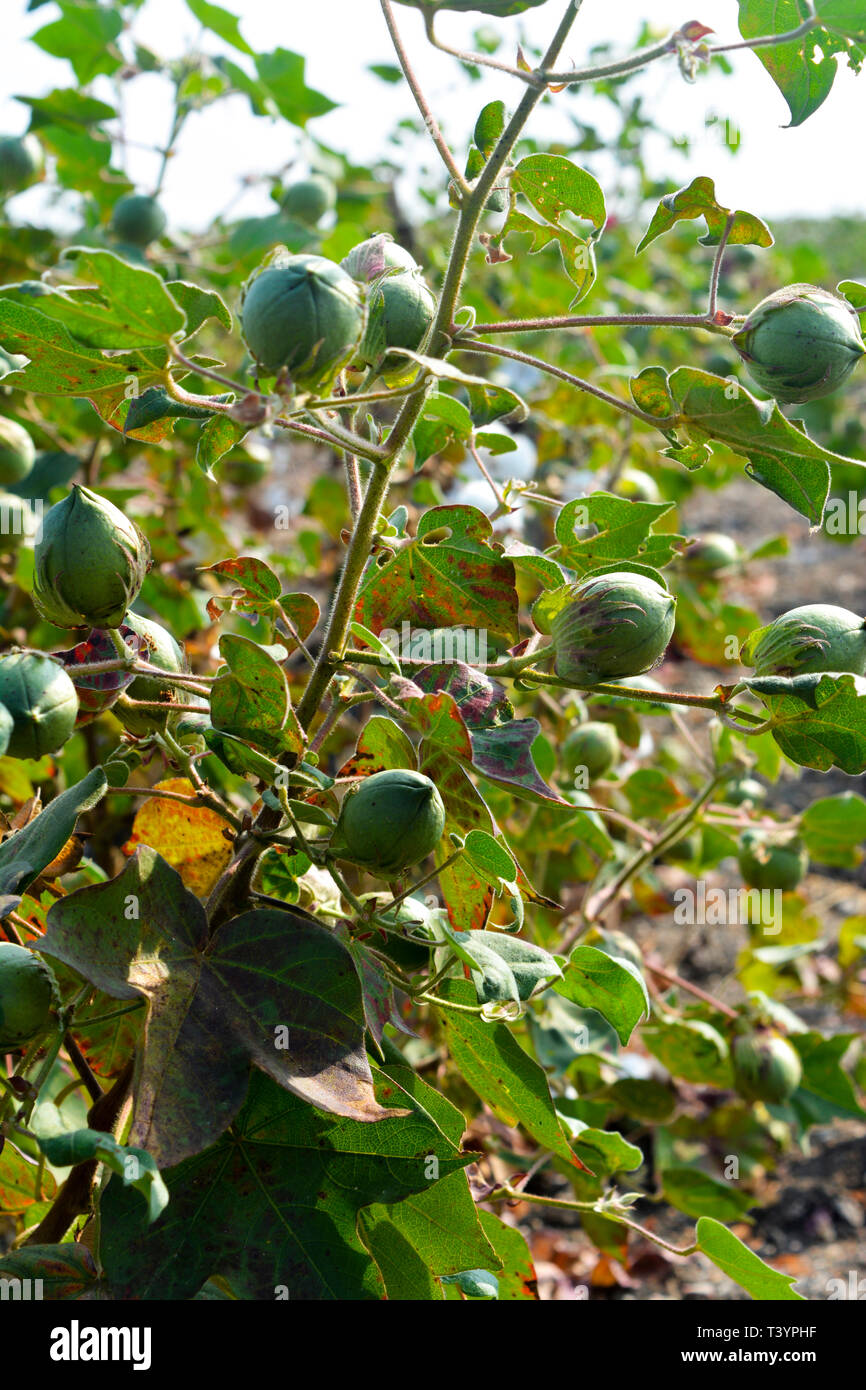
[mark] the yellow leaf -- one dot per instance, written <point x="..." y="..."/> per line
<point x="193" y="839"/>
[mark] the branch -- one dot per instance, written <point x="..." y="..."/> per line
<point x="578" y="382"/>
<point x="421" y="101"/>
<point x="543" y="325"/>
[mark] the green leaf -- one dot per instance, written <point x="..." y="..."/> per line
<point x="741" y="1264"/>
<point x="282" y="73"/>
<point x="517" y="1280"/>
<point x="271" y="988"/>
<point x="133" y="1166"/>
<point x="85" y="35"/>
<point x="494" y="1064"/>
<point x="199" y="305"/>
<point x="843" y="17"/>
<point x="611" y="985"/>
<point x="804" y="81"/>
<point x="489" y="855"/>
<point x="554" y="186"/>
<point x="220" y="22"/>
<point x="623" y="531"/>
<point x="697" y="1194"/>
<point x="834" y="829"/>
<point x="26" y="852"/>
<point x="781" y="456"/>
<point x="277" y="1197"/>
<point x="503" y="967"/>
<point x="699" y="200"/>
<point x="217" y="437"/>
<point x="251" y="699"/>
<point x="818" y="720"/>
<point x="691" y="1049"/>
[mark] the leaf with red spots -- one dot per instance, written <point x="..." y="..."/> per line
<point x="448" y="576"/>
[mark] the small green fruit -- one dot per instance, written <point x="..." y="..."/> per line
<point x="391" y="821"/>
<point x="303" y="313"/>
<point x="371" y="258"/>
<point x="89" y="563"/>
<point x="17" y="522"/>
<point x="593" y="745"/>
<point x="767" y="862"/>
<point x="800" y="343"/>
<point x="17" y="452"/>
<point x="138" y="220"/>
<point x="42" y="702"/>
<point x="614" y="625"/>
<point x="816" y="637"/>
<point x="712" y="554"/>
<point x="21" y="162"/>
<point x="308" y="200"/>
<point x="401" y="311"/>
<point x="766" y="1067"/>
<point x="28" y="993"/>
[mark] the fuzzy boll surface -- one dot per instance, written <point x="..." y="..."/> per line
<point x="305" y="315"/>
<point x="90" y="562"/>
<point x="401" y="311"/>
<point x="42" y="702"/>
<point x="393" y="820"/>
<point x="614" y="625"/>
<point x="814" y="637"/>
<point x="800" y="343"/>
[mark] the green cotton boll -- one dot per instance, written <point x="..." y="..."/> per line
<point x="137" y="220"/>
<point x="28" y="993"/>
<point x="371" y="258"/>
<point x="90" y="562"/>
<point x="391" y="821"/>
<point x="766" y="1067"/>
<point x="615" y="625"/>
<point x="21" y="162"/>
<point x="400" y="314"/>
<point x="593" y="745"/>
<point x="712" y="554"/>
<point x="42" y="702"/>
<point x="309" y="199"/>
<point x="17" y="452"/>
<point x="800" y="343"/>
<point x="304" y="314"/>
<point x="815" y="637"/>
<point x="769" y="863"/>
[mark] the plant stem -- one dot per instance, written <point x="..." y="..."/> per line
<point x="471" y="345"/>
<point x="712" y="302"/>
<point x="421" y="101"/>
<point x="670" y="978"/>
<point x="544" y="325"/>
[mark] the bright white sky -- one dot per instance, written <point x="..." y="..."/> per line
<point x="776" y="172"/>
